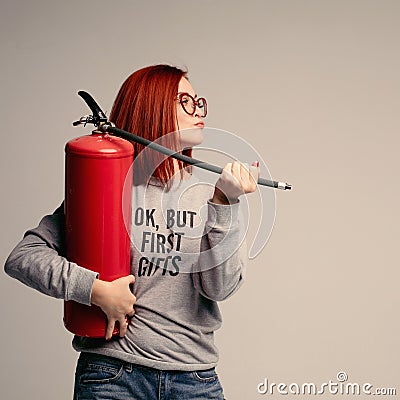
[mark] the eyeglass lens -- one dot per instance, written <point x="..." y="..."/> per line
<point x="188" y="104"/>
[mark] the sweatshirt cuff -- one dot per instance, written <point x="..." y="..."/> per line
<point x="81" y="284"/>
<point x="223" y="215"/>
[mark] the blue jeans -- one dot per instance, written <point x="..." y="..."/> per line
<point x="102" y="377"/>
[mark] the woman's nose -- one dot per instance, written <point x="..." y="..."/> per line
<point x="198" y="111"/>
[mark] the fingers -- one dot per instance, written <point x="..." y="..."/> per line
<point x="118" y="305"/>
<point x="247" y="175"/>
<point x="237" y="169"/>
<point x="131" y="312"/>
<point x="110" y="329"/>
<point x="254" y="172"/>
<point x="255" y="163"/>
<point x="235" y="173"/>
<point x="123" y="327"/>
<point x="245" y="172"/>
<point x="131" y="279"/>
<point x="123" y="323"/>
<point x="236" y="179"/>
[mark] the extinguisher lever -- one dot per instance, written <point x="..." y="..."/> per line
<point x="98" y="116"/>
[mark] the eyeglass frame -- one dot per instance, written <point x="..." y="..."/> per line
<point x="195" y="103"/>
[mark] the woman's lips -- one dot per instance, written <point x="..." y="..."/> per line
<point x="199" y="125"/>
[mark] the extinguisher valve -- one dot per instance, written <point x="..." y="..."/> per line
<point x="88" y="119"/>
<point x="106" y="126"/>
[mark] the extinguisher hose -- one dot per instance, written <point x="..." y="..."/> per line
<point x="189" y="160"/>
<point x="99" y="119"/>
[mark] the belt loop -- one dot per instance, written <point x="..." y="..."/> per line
<point x="128" y="366"/>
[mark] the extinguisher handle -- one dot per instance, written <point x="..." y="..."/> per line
<point x="98" y="114"/>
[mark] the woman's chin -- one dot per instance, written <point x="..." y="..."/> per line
<point x="191" y="137"/>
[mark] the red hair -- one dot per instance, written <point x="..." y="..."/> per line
<point x="146" y="106"/>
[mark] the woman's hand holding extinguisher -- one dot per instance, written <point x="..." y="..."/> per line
<point x="116" y="300"/>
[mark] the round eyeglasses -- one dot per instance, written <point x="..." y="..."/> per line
<point x="189" y="104"/>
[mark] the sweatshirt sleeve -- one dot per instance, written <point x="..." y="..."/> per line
<point x="222" y="257"/>
<point x="39" y="261"/>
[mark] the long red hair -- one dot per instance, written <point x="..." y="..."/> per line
<point x="146" y="106"/>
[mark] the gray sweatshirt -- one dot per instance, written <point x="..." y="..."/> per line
<point x="188" y="253"/>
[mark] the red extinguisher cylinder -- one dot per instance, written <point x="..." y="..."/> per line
<point x="97" y="218"/>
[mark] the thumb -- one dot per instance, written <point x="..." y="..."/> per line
<point x="131" y="279"/>
<point x="255" y="170"/>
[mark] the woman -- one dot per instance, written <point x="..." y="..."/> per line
<point x="182" y="263"/>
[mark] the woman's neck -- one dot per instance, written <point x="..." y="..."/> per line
<point x="185" y="173"/>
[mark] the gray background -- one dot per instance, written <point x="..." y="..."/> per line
<point x="313" y="85"/>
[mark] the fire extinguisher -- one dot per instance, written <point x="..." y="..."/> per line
<point x="97" y="218"/>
